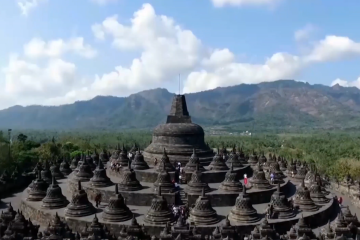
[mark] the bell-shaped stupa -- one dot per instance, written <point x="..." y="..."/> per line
<point x="79" y="205"/>
<point x="253" y="159"/>
<point x="218" y="163"/>
<point x="74" y="162"/>
<point x="317" y="194"/>
<point x="243" y="211"/>
<point x="165" y="160"/>
<point x="281" y="205"/>
<point x="303" y="200"/>
<point x="231" y="182"/>
<point x="117" y="211"/>
<point x="164" y="180"/>
<point x="55" y="171"/>
<point x="196" y="185"/>
<point x="54" y="198"/>
<point x="234" y="160"/>
<point x="193" y="162"/>
<point x="241" y="155"/>
<point x="139" y="162"/>
<point x="65" y="167"/>
<point x="38" y="189"/>
<point x="179" y="136"/>
<point x="159" y="212"/>
<point x="123" y="158"/>
<point x="104" y="157"/>
<point x="203" y="213"/>
<point x="100" y="179"/>
<point x="258" y="180"/>
<point x="46" y="173"/>
<point x="128" y="181"/>
<point x="85" y="173"/>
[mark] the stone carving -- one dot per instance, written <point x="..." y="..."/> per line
<point x="139" y="163"/>
<point x="196" y="184"/>
<point x="85" y="173"/>
<point x="65" y="168"/>
<point x="128" y="181"/>
<point x="218" y="163"/>
<point x="165" y="160"/>
<point x="54" y="198"/>
<point x="123" y="158"/>
<point x="55" y="171"/>
<point x="253" y="159"/>
<point x="202" y="213"/>
<point x="243" y="211"/>
<point x="100" y="179"/>
<point x="79" y="205"/>
<point x="282" y="207"/>
<point x="179" y="136"/>
<point x="159" y="212"/>
<point x="234" y="160"/>
<point x="164" y="180"/>
<point x="303" y="200"/>
<point x="193" y="162"/>
<point x="38" y="190"/>
<point x="259" y="181"/>
<point x="117" y="211"/>
<point x="317" y="195"/>
<point x="231" y="182"/>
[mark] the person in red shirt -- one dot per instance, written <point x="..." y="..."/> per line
<point x="340" y="200"/>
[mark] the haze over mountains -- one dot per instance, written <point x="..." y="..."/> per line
<point x="279" y="104"/>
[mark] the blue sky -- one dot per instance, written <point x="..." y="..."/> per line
<point x="250" y="33"/>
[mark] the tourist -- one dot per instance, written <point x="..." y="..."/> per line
<point x="155" y="162"/>
<point x="340" y="200"/>
<point x="176" y="186"/>
<point x="98" y="200"/>
<point x="272" y="178"/>
<point x="292" y="173"/>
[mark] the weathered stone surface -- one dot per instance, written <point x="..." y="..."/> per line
<point x="65" y="168"/>
<point x="231" y="182"/>
<point x="243" y="211"/>
<point x="179" y="136"/>
<point x="55" y="171"/>
<point x="38" y="190"/>
<point x="100" y="179"/>
<point x="317" y="195"/>
<point x="85" y="173"/>
<point x="234" y="160"/>
<point x="282" y="207"/>
<point x="303" y="200"/>
<point x="117" y="211"/>
<point x="104" y="157"/>
<point x="253" y="159"/>
<point x="128" y="181"/>
<point x="203" y="213"/>
<point x="218" y="163"/>
<point x="79" y="205"/>
<point x="164" y="180"/>
<point x="193" y="162"/>
<point x="54" y="198"/>
<point x="139" y="163"/>
<point x="159" y="212"/>
<point x="165" y="161"/>
<point x="123" y="158"/>
<point x="196" y="184"/>
<point x="46" y="173"/>
<point x="259" y="181"/>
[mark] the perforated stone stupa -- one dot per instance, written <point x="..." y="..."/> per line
<point x="159" y="212"/>
<point x="231" y="182"/>
<point x="194" y="161"/>
<point x="282" y="207"/>
<point x="100" y="179"/>
<point x="117" y="211"/>
<point x="54" y="198"/>
<point x="164" y="180"/>
<point x="196" y="184"/>
<point x="218" y="163"/>
<point x="139" y="162"/>
<point x="128" y="181"/>
<point x="179" y="136"/>
<point x="38" y="189"/>
<point x="203" y="213"/>
<point x="303" y="200"/>
<point x="243" y="211"/>
<point x="79" y="205"/>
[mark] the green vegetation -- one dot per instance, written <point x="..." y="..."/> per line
<point x="274" y="107"/>
<point x="335" y="154"/>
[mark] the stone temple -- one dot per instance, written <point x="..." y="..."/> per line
<point x="179" y="136"/>
<point x="140" y="205"/>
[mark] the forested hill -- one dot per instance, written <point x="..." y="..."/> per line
<point x="275" y="105"/>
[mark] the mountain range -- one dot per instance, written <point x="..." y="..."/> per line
<point x="283" y="104"/>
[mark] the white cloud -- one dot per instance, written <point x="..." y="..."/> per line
<point x="165" y="49"/>
<point x="304" y="33"/>
<point x="240" y="3"/>
<point x="345" y="83"/>
<point x="28" y="5"/>
<point x="38" y="48"/>
<point x="104" y="2"/>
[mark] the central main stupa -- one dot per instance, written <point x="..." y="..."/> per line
<point x="179" y="137"/>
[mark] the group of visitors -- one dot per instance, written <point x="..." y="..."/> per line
<point x="115" y="166"/>
<point x="180" y="210"/>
